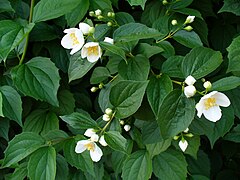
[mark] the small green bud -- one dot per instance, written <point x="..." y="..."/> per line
<point x="109" y="24"/>
<point x="100" y="17"/>
<point x="100" y="86"/>
<point x="207" y="85"/>
<point x="109" y="14"/>
<point x="113" y="15"/>
<point x="188" y="28"/>
<point x="109" y="111"/>
<point x="94" y="89"/>
<point x="91" y="13"/>
<point x="121" y="122"/>
<point x="164" y="2"/>
<point x="91" y="30"/>
<point x="98" y="12"/>
<point x="174" y="22"/>
<point x="189" y="135"/>
<point x="175" y="137"/>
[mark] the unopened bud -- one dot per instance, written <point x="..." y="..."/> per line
<point x="183" y="144"/>
<point x="127" y="127"/>
<point x="100" y="17"/>
<point x="189" y="135"/>
<point x="190" y="80"/>
<point x="190" y="91"/>
<point x="109" y="24"/>
<point x="98" y="12"/>
<point x="106" y="117"/>
<point x="91" y="13"/>
<point x="189" y="19"/>
<point x="113" y="14"/>
<point x="91" y="30"/>
<point x="186" y="130"/>
<point x="100" y="86"/>
<point x="188" y="28"/>
<point x="164" y="2"/>
<point x="207" y="85"/>
<point x="175" y="137"/>
<point x="174" y="22"/>
<point x="109" y="14"/>
<point x="109" y="111"/>
<point x="122" y="122"/>
<point x="94" y="89"/>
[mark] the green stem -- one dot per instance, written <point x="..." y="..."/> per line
<point x="177" y="82"/>
<point x="27" y="37"/>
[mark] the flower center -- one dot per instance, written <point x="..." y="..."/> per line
<point x="92" y="50"/>
<point x="74" y="39"/>
<point x="210" y="102"/>
<point x="90" y="146"/>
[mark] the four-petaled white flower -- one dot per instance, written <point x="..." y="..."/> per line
<point x="108" y="40"/>
<point x="95" y="152"/>
<point x="209" y="105"/>
<point x="190" y="80"/>
<point x="73" y="40"/>
<point x="183" y="144"/>
<point x="84" y="27"/>
<point x="92" y="51"/>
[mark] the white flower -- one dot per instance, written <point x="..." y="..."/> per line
<point x="106" y="117"/>
<point x="84" y="27"/>
<point x="127" y="127"/>
<point x="189" y="19"/>
<point x="95" y="152"/>
<point x="207" y="85"/>
<point x="190" y="80"/>
<point x="73" y="40"/>
<point x="209" y="105"/>
<point x="189" y="91"/>
<point x="92" y="51"/>
<point x="94" y="138"/>
<point x="108" y="111"/>
<point x="89" y="132"/>
<point x="98" y="12"/>
<point x="183" y="144"/>
<point x="102" y="141"/>
<point x="108" y="40"/>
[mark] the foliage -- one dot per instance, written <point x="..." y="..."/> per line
<point x="119" y="89"/>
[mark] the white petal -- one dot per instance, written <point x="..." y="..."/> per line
<point x="92" y="58"/>
<point x="213" y="114"/>
<point x="183" y="145"/>
<point x="200" y="108"/>
<point x="108" y="40"/>
<point x="209" y="95"/>
<point x="80" y="37"/>
<point x="190" y="80"/>
<point x="222" y="99"/>
<point x="189" y="91"/>
<point x="96" y="154"/>
<point x="67" y="42"/>
<point x="70" y="30"/>
<point x="75" y="49"/>
<point x="94" y="137"/>
<point x="89" y="132"/>
<point x="102" y="141"/>
<point x="80" y="147"/>
<point x="84" y="27"/>
<point x="84" y="52"/>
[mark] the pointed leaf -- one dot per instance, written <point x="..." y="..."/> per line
<point x="116" y="141"/>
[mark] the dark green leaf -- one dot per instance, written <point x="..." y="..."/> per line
<point x="234" y="55"/>
<point x="189" y="11"/>
<point x="226" y="83"/>
<point x="62" y="168"/>
<point x="159" y="147"/>
<point x="99" y="74"/>
<point x="116" y="141"/>
<point x="168" y="49"/>
<point x="113" y="49"/>
<point x="126" y="97"/>
<point x="124" y="18"/>
<point x="21" y="146"/>
<point x="172" y="66"/>
<point x="37" y="78"/>
<point x="137" y="3"/>
<point x="151" y="133"/>
<point x="101" y="31"/>
<point x="148" y="50"/>
<point x="234" y="135"/>
<point x="20" y="172"/>
<point x="232" y="6"/>
<point x="181" y="4"/>
<point x="4" y="128"/>
<point x="5" y="6"/>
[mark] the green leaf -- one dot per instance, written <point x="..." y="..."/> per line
<point x="62" y="168"/>
<point x="45" y="10"/>
<point x="234" y="96"/>
<point x="234" y="135"/>
<point x="126" y="97"/>
<point x="232" y="6"/>
<point x="181" y="4"/>
<point x="170" y="164"/>
<point x="101" y="31"/>
<point x="176" y="114"/>
<point x="101" y="4"/>
<point x="226" y="84"/>
<point x="79" y="120"/>
<point x="42" y="164"/>
<point x="19" y="173"/>
<point x="137" y="68"/>
<point x="78" y="67"/>
<point x="12" y="104"/>
<point x="37" y="78"/>
<point x="148" y="50"/>
<point x="168" y="49"/>
<point x="80" y="161"/>
<point x="21" y="146"/>
<point x="234" y="55"/>
<point x="151" y="133"/>
<point x="113" y="49"/>
<point x="172" y="66"/>
<point x="103" y="98"/>
<point x="124" y="18"/>
<point x="137" y="3"/>
<point x="201" y="61"/>
<point x="189" y="11"/>
<point x="5" y="6"/>
<point x="137" y="166"/>
<point x="135" y="31"/>
<point x="158" y="88"/>
<point x="78" y="13"/>
<point x="99" y="74"/>
<point x="159" y="147"/>
<point x="4" y="128"/>
<point x="116" y="141"/>
<point x="1" y="105"/>
<point x="188" y="39"/>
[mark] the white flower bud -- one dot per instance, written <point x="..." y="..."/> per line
<point x="127" y="127"/>
<point x="189" y="19"/>
<point x="98" y="12"/>
<point x="89" y="132"/>
<point x="94" y="137"/>
<point x="91" y="13"/>
<point x="91" y="30"/>
<point x="186" y="130"/>
<point x="190" y="80"/>
<point x="174" y="22"/>
<point x="188" y="28"/>
<point x="109" y="14"/>
<point x="84" y="27"/>
<point x="189" y="91"/>
<point x="108" y="40"/>
<point x="122" y="122"/>
<point x="94" y="89"/>
<point x="102" y="141"/>
<point x="106" y="117"/>
<point x="109" y="24"/>
<point x="108" y="111"/>
<point x="207" y="85"/>
<point x="183" y="144"/>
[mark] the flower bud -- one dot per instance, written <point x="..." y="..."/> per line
<point x="122" y="122"/>
<point x="189" y="135"/>
<point x="189" y="19"/>
<point x="102" y="141"/>
<point x="98" y="12"/>
<point x="190" y="80"/>
<point x="106" y="117"/>
<point x="94" y="89"/>
<point x="113" y="14"/>
<point x="175" y="137"/>
<point x="94" y="137"/>
<point x="91" y="30"/>
<point x="109" y="14"/>
<point x="89" y="132"/>
<point x="100" y="17"/>
<point x="189" y="91"/>
<point x="207" y="85"/>
<point x="108" y="40"/>
<point x="100" y="86"/>
<point x="183" y="144"/>
<point x="188" y="28"/>
<point x="91" y="13"/>
<point x="164" y="2"/>
<point x="186" y="130"/>
<point x="84" y="27"/>
<point x="174" y="22"/>
<point x="109" y="24"/>
<point x="109" y="111"/>
<point x="127" y="127"/>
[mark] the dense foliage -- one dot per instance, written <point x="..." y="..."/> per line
<point x="120" y="89"/>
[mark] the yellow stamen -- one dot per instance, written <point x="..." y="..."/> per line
<point x="92" y="50"/>
<point x="90" y="146"/>
<point x="210" y="102"/>
<point x="74" y="39"/>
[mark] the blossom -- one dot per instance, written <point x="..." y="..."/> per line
<point x="190" y="80"/>
<point x="92" y="51"/>
<point x="209" y="105"/>
<point x="189" y="19"/>
<point x="108" y="111"/>
<point x="183" y="144"/>
<point x="95" y="152"/>
<point x="108" y="40"/>
<point x="102" y="141"/>
<point x="84" y="27"/>
<point x="189" y="91"/>
<point x="73" y="40"/>
<point x="127" y="127"/>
